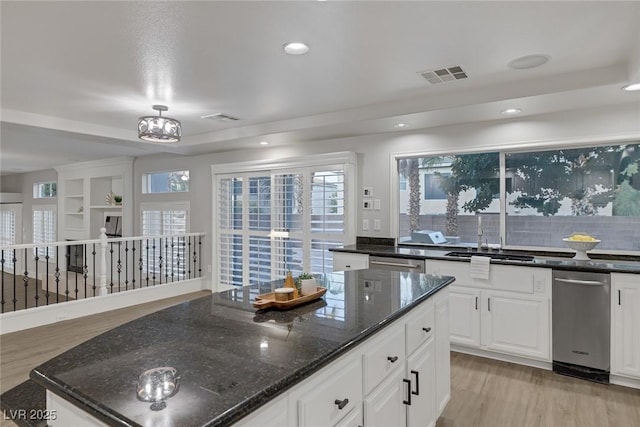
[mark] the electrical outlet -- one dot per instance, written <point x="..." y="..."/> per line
<point x="376" y="224"/>
<point x="538" y="286"/>
<point x="365" y="225"/>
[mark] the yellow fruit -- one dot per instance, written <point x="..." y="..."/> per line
<point x="581" y="238"/>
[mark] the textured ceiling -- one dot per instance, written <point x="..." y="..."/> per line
<point x="76" y="75"/>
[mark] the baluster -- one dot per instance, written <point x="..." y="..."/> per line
<point x="140" y="264"/>
<point x="15" y="260"/>
<point x="188" y="257"/>
<point x="111" y="268"/>
<point x="93" y="255"/>
<point x="167" y="261"/>
<point x="75" y="274"/>
<point x="160" y="260"/>
<point x="47" y="257"/>
<point x="36" y="279"/>
<point x="173" y="259"/>
<point x="57" y="275"/>
<point x="133" y="268"/>
<point x="153" y="271"/>
<point x="85" y="268"/>
<point x="25" y="277"/>
<point x="66" y="284"/>
<point x="2" y="301"/>
<point x="126" y="264"/>
<point x="199" y="256"/>
<point x="147" y="247"/>
<point x="119" y="266"/>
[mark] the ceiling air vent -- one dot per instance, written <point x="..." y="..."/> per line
<point x="219" y="117"/>
<point x="444" y="74"/>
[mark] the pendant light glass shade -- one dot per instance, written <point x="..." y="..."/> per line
<point x="158" y="128"/>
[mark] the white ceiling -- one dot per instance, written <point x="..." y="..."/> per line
<point x="77" y="75"/>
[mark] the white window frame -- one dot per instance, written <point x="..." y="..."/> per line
<point x="345" y="161"/>
<point x="37" y="187"/>
<point x="146" y="177"/>
<point x="41" y="252"/>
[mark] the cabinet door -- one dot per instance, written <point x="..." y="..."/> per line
<point x="274" y="414"/>
<point x="422" y="372"/>
<point x="384" y="407"/>
<point x="328" y="397"/>
<point x="464" y="316"/>
<point x="443" y="351"/>
<point x="626" y="325"/>
<point x="516" y="324"/>
<point x="353" y="419"/>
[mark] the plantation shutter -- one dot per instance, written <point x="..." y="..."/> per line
<point x="165" y="220"/>
<point x="271" y="222"/>
<point x="44" y="229"/>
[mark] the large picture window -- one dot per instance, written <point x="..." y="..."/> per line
<point x="545" y="196"/>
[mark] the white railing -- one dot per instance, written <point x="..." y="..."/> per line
<point x="35" y="275"/>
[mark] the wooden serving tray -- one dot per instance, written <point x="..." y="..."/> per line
<point x="269" y="300"/>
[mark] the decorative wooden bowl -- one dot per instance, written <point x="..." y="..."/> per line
<point x="269" y="300"/>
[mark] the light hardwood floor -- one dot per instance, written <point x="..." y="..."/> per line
<point x="484" y="392"/>
<point x="490" y="393"/>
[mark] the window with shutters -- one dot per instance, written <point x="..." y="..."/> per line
<point x="7" y="226"/>
<point x="44" y="230"/>
<point x="165" y="182"/>
<point x="167" y="220"/>
<point x="273" y="221"/>
<point x="45" y="190"/>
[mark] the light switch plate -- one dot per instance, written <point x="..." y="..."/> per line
<point x="365" y="224"/>
<point x="367" y="204"/>
<point x="367" y="191"/>
<point x="376" y="204"/>
<point x="376" y="224"/>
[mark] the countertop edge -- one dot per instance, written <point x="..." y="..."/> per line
<point x="383" y="251"/>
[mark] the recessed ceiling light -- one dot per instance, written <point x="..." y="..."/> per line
<point x="511" y="111"/>
<point x="264" y="142"/>
<point x="400" y="125"/>
<point x="529" y="61"/>
<point x="632" y="87"/>
<point x="295" y="48"/>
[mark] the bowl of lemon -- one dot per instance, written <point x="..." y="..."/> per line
<point x="581" y="243"/>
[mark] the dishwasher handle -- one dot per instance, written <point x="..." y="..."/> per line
<point x="394" y="264"/>
<point x="580" y="282"/>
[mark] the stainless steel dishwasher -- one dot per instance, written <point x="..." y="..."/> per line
<point x="581" y="324"/>
<point x="396" y="264"/>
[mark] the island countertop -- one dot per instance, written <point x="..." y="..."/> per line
<point x="231" y="358"/>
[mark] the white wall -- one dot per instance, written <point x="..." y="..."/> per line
<point x="374" y="158"/>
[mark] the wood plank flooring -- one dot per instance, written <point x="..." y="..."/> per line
<point x="484" y="392"/>
<point x="491" y="393"/>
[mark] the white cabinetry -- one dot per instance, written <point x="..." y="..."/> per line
<point x="625" y="325"/>
<point x="509" y="313"/>
<point x="81" y="197"/>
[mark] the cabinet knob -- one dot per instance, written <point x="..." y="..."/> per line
<point x="427" y="329"/>
<point x="392" y="359"/>
<point x="341" y="403"/>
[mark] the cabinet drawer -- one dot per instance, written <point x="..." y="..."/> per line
<point x="419" y="327"/>
<point x="382" y="358"/>
<point x="343" y="261"/>
<point x="320" y="401"/>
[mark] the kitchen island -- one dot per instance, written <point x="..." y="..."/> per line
<point x="231" y="359"/>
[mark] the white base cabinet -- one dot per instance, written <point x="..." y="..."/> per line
<point x="625" y="325"/>
<point x="508" y="313"/>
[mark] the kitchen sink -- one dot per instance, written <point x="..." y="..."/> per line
<point x="500" y="256"/>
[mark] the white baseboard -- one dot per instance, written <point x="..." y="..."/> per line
<point x="624" y="381"/>
<point x="45" y="315"/>
<point x="503" y="357"/>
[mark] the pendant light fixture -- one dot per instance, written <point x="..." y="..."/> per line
<point x="158" y="128"/>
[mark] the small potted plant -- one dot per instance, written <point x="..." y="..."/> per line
<point x="307" y="284"/>
<point x="117" y="200"/>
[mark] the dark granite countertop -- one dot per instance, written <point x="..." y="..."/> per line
<point x="547" y="260"/>
<point x="231" y="358"/>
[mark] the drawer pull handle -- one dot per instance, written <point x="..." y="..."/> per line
<point x="427" y="329"/>
<point x="347" y="266"/>
<point x="341" y="403"/>
<point x="392" y="359"/>
<point x="408" y="383"/>
<point x="417" y="374"/>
